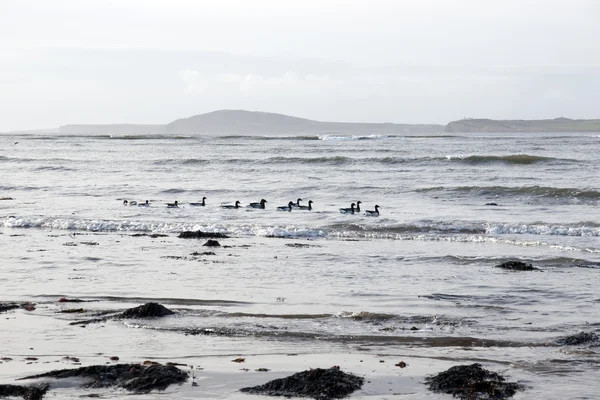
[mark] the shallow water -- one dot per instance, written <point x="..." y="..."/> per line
<point x="418" y="280"/>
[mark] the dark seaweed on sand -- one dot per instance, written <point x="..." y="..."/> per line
<point x="472" y="382"/>
<point x="201" y="235"/>
<point x="133" y="377"/>
<point x="319" y="383"/>
<point x="26" y="392"/>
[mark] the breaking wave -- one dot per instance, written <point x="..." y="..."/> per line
<point x="519" y="159"/>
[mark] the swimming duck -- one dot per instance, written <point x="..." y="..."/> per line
<point x="230" y="207"/>
<point x="173" y="205"/>
<point x="199" y="204"/>
<point x="296" y="204"/>
<point x="371" y="213"/>
<point x="125" y="203"/>
<point x="146" y="204"/>
<point x="286" y="208"/>
<point x="260" y="204"/>
<point x="358" y="206"/>
<point x="129" y="203"/>
<point x="348" y="210"/>
<point x="308" y="207"/>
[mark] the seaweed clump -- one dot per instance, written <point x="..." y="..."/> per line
<point x="26" y="392"/>
<point x="319" y="383"/>
<point x="133" y="377"/>
<point x="578" y="338"/>
<point x="472" y="382"/>
<point x="201" y="235"/>
<point x="148" y="310"/>
<point x="517" y="266"/>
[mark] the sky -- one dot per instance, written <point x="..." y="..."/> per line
<point x="403" y="61"/>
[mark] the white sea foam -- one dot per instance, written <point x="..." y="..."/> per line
<point x="353" y="137"/>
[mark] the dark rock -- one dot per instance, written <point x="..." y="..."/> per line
<point x="151" y="235"/>
<point x="319" y="383"/>
<point x="491" y="204"/>
<point x="206" y="253"/>
<point x="72" y="311"/>
<point x="212" y="243"/>
<point x="201" y="235"/>
<point x="66" y="300"/>
<point x="516" y="266"/>
<point x="26" y="392"/>
<point x="472" y="382"/>
<point x="579" y="338"/>
<point x="133" y="377"/>
<point x="148" y="310"/>
<point x="8" y="306"/>
<point x="300" y="245"/>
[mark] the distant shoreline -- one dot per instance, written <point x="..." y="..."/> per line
<point x="254" y="122"/>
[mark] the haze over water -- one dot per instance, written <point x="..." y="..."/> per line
<point x="314" y="280"/>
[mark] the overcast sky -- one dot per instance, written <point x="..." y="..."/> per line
<point x="412" y="61"/>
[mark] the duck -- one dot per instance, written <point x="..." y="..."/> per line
<point x="358" y="206"/>
<point x="296" y="204"/>
<point x="308" y="207"/>
<point x="125" y="203"/>
<point x="230" y="207"/>
<point x="286" y="208"/>
<point x="372" y="213"/>
<point x="260" y="204"/>
<point x="129" y="203"/>
<point x="348" y="210"/>
<point x="146" y="204"/>
<point x="173" y="205"/>
<point x="203" y="203"/>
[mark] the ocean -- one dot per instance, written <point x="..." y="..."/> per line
<point x="419" y="281"/>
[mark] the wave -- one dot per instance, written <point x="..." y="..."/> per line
<point x="54" y="168"/>
<point x="519" y="159"/>
<point x="556" y="262"/>
<point x="173" y="191"/>
<point x="144" y="137"/>
<point x="354" y="137"/>
<point x="334" y="160"/>
<point x="460" y="231"/>
<point x="519" y="191"/>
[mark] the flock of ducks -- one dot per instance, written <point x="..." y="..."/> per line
<point x="353" y="209"/>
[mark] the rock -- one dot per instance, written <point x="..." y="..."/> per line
<point x="319" y="383"/>
<point x="148" y="310"/>
<point x="491" y="204"/>
<point x="6" y="198"/>
<point x="8" y="306"/>
<point x="579" y="338"/>
<point x="470" y="382"/>
<point x="66" y="300"/>
<point x="151" y="235"/>
<point x="26" y="392"/>
<point x="516" y="266"/>
<point x="133" y="377"/>
<point x="212" y="243"/>
<point x="201" y="235"/>
<point x="72" y="311"/>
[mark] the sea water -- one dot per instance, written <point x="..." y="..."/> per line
<point x="419" y="279"/>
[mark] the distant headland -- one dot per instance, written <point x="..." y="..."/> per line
<point x="518" y="125"/>
<point x="255" y="122"/>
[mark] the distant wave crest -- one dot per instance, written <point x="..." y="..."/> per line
<point x="521" y="159"/>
